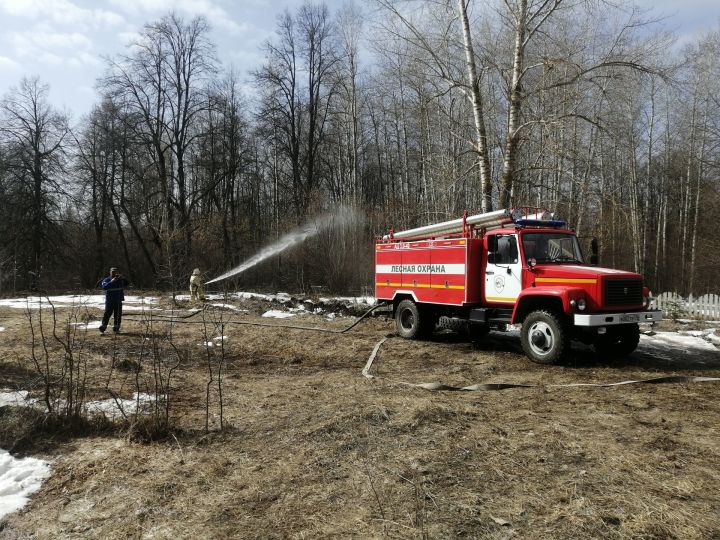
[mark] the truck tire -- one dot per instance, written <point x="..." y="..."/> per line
<point x="618" y="341"/>
<point x="544" y="337"/>
<point x="412" y="322"/>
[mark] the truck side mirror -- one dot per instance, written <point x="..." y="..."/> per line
<point x="594" y="258"/>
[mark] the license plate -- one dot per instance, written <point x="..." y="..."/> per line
<point x="630" y="317"/>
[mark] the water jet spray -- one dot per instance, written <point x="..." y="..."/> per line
<point x="343" y="216"/>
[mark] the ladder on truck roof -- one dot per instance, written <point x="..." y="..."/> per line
<point x="464" y="225"/>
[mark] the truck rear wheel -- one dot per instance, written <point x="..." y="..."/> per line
<point x="412" y="322"/>
<point x="618" y="340"/>
<point x="544" y="337"/>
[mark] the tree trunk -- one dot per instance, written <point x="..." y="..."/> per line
<point x="701" y="159"/>
<point x="514" y="103"/>
<point x="478" y="114"/>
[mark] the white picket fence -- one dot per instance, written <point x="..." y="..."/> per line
<point x="675" y="306"/>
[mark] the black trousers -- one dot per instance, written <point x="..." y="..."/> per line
<point x="114" y="309"/>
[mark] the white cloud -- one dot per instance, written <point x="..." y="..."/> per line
<point x="48" y="40"/>
<point x="88" y="91"/>
<point x="146" y="6"/>
<point x="248" y="57"/>
<point x="128" y="37"/>
<point x="27" y="43"/>
<point x="51" y="59"/>
<point x="216" y="15"/>
<point x="8" y="64"/>
<point x="53" y="48"/>
<point x="60" y="12"/>
<point x="83" y="59"/>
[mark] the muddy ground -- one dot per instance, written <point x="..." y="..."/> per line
<point x="312" y="449"/>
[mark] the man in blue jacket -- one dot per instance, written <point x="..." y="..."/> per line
<point x="114" y="287"/>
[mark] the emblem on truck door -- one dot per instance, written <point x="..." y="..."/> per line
<point x="499" y="283"/>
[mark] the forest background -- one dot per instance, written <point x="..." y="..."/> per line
<point x="403" y="113"/>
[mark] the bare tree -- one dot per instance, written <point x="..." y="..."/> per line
<point x="161" y="84"/>
<point x="478" y="114"/>
<point x="293" y="110"/>
<point x="34" y="136"/>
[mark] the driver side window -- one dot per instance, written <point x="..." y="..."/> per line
<point x="507" y="251"/>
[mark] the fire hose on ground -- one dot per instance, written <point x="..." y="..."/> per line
<point x="435" y="387"/>
<point x="183" y="320"/>
<point x="668" y="379"/>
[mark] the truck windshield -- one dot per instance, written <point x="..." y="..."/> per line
<point x="552" y="248"/>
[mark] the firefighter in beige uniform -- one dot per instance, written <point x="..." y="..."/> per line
<point x="196" y="288"/>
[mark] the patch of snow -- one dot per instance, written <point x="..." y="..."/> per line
<point x="229" y="306"/>
<point x="284" y="297"/>
<point x="15" y="399"/>
<point x="144" y="300"/>
<point x="19" y="478"/>
<point x="695" y="333"/>
<point x="277" y="314"/>
<point x="513" y="330"/>
<point x="2" y="328"/>
<point x="330" y="316"/>
<point x="279" y="297"/>
<point x="207" y="296"/>
<point x="676" y="342"/>
<point x="689" y="321"/>
<point x="111" y="408"/>
<point x="76" y="300"/>
<point x="87" y="326"/>
<point x="220" y="338"/>
<point x="366" y="300"/>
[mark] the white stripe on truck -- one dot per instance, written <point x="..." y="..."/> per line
<point x="439" y="268"/>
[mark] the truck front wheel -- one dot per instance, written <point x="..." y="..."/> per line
<point x="411" y="322"/>
<point x="618" y="340"/>
<point x="544" y="337"/>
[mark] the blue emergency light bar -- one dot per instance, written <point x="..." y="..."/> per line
<point x="554" y="223"/>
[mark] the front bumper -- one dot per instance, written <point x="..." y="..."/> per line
<point x="610" y="319"/>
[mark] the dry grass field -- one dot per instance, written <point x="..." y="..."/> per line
<point x="312" y="449"/>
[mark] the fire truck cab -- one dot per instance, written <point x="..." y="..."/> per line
<point x="510" y="267"/>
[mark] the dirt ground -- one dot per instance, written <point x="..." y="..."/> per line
<point x="312" y="449"/>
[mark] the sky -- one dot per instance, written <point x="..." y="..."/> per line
<point x="65" y="41"/>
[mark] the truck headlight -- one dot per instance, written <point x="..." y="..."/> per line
<point x="581" y="304"/>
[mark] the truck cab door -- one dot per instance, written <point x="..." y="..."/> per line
<point x="503" y="271"/>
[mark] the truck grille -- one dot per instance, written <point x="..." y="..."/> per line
<point x="622" y="292"/>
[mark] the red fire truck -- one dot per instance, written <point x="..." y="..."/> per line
<point x="510" y="267"/>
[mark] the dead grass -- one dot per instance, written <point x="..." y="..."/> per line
<point x="313" y="449"/>
<point x="28" y="430"/>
